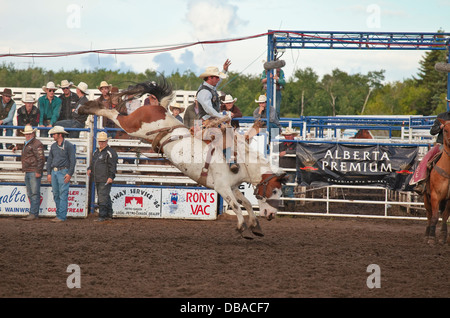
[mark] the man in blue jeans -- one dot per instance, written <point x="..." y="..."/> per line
<point x="103" y="169"/>
<point x="33" y="161"/>
<point x="60" y="168"/>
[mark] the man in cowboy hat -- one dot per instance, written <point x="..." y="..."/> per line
<point x="260" y="113"/>
<point x="60" y="168"/>
<point x="229" y="106"/>
<point x="103" y="169"/>
<point x="106" y="100"/>
<point x="176" y="110"/>
<point x="207" y="96"/>
<point x="289" y="162"/>
<point x="77" y="120"/>
<point x="33" y="161"/>
<point x="7" y="111"/>
<point x="28" y="114"/>
<point x="68" y="100"/>
<point x="49" y="106"/>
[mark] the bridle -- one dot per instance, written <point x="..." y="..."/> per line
<point x="264" y="183"/>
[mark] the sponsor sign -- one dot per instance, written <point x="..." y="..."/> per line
<point x="14" y="201"/>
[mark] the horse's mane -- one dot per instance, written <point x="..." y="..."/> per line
<point x="162" y="90"/>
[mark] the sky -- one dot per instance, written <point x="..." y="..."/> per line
<point x="29" y="26"/>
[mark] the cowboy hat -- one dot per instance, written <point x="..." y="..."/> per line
<point x="50" y="85"/>
<point x="65" y="84"/>
<point x="28" y="99"/>
<point x="7" y="92"/>
<point x="57" y="130"/>
<point x="28" y="130"/>
<point x="229" y="99"/>
<point x="102" y="136"/>
<point x="261" y="99"/>
<point x="176" y="105"/>
<point x="83" y="87"/>
<point x="212" y="71"/>
<point x="104" y="84"/>
<point x="289" y="131"/>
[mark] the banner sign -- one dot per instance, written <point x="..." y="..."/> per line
<point x="14" y="201"/>
<point x="327" y="164"/>
<point x="176" y="203"/>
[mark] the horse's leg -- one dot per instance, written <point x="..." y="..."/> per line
<point x="426" y="200"/>
<point x="241" y="226"/>
<point x="433" y="220"/>
<point x="443" y="234"/>
<point x="252" y="220"/>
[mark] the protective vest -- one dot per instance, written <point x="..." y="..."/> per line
<point x="215" y="101"/>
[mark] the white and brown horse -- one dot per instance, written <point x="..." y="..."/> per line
<point x="197" y="158"/>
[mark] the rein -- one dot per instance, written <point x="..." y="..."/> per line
<point x="273" y="203"/>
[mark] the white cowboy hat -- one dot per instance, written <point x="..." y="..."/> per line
<point x="65" y="84"/>
<point x="176" y="105"/>
<point x="290" y="131"/>
<point x="57" y="130"/>
<point x="104" y="84"/>
<point x="28" y="130"/>
<point x="102" y="136"/>
<point x="212" y="71"/>
<point x="28" y="99"/>
<point x="82" y="87"/>
<point x="50" y="85"/>
<point x="229" y="99"/>
<point x="261" y="99"/>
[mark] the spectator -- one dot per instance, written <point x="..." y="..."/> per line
<point x="68" y="101"/>
<point x="29" y="113"/>
<point x="7" y="111"/>
<point x="77" y="120"/>
<point x="60" y="168"/>
<point x="229" y="106"/>
<point x="33" y="161"/>
<point x="103" y="169"/>
<point x="49" y="107"/>
<point x="280" y="82"/>
<point x="260" y="113"/>
<point x="106" y="100"/>
<point x="176" y="110"/>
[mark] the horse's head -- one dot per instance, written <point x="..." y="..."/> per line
<point x="268" y="193"/>
<point x="445" y="131"/>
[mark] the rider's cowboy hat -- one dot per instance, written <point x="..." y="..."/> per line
<point x="50" y="85"/>
<point x="229" y="99"/>
<point x="261" y="99"/>
<point x="57" y="130"/>
<point x="212" y="71"/>
<point x="176" y="105"/>
<point x="7" y="92"/>
<point x="104" y="84"/>
<point x="289" y="131"/>
<point x="28" y="130"/>
<point x="102" y="136"/>
<point x="83" y="87"/>
<point x="28" y="99"/>
<point x="65" y="84"/>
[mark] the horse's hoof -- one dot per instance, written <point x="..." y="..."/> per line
<point x="431" y="241"/>
<point x="256" y="229"/>
<point x="245" y="232"/>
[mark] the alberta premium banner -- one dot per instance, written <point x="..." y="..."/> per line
<point x="327" y="164"/>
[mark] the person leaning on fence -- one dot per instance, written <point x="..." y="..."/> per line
<point x="28" y="114"/>
<point x="260" y="113"/>
<point x="77" y="120"/>
<point x="33" y="161"/>
<point x="176" y="110"/>
<point x="60" y="168"/>
<point x="285" y="148"/>
<point x="7" y="111"/>
<point x="49" y="106"/>
<point x="106" y="100"/>
<point x="420" y="175"/>
<point x="68" y="100"/>
<point x="103" y="169"/>
<point x="229" y="107"/>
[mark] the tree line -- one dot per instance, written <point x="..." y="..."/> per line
<point x="305" y="93"/>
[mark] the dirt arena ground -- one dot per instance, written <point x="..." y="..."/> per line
<point x="298" y="258"/>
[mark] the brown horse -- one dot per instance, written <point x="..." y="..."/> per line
<point x="437" y="194"/>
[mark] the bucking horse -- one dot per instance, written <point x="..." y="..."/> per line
<point x="196" y="157"/>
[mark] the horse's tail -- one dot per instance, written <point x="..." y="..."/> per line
<point x="95" y="107"/>
<point x="162" y="91"/>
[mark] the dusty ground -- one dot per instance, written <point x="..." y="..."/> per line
<point x="298" y="258"/>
